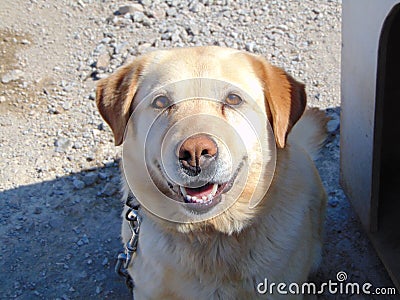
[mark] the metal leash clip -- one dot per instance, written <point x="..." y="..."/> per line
<point x="132" y="216"/>
<point x="124" y="259"/>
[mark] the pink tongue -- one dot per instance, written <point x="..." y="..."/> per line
<point x="201" y="191"/>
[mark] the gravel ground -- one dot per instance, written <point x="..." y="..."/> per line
<point x="59" y="183"/>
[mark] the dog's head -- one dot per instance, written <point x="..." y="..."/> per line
<point x="195" y="123"/>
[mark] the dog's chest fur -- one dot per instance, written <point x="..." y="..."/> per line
<point x="220" y="266"/>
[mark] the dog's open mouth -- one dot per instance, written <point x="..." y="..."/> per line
<point x="204" y="195"/>
<point x="204" y="198"/>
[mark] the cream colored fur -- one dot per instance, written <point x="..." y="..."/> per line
<point x="283" y="244"/>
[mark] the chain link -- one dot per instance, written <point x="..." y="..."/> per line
<point x="124" y="259"/>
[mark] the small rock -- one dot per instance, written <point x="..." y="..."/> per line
<point x="98" y="290"/>
<point x="138" y="17"/>
<point x="12" y="76"/>
<point x="121" y="47"/>
<point x="250" y="46"/>
<point x="77" y="145"/>
<point x="101" y="75"/>
<point x="105" y="261"/>
<point x="132" y="8"/>
<point x="82" y="274"/>
<point x="106" y="40"/>
<point x="78" y="184"/>
<point x="333" y="125"/>
<point x="175" y="37"/>
<point x="147" y="22"/>
<point x="2" y="99"/>
<point x="158" y="13"/>
<point x="103" y="175"/>
<point x="67" y="105"/>
<point x="171" y="12"/>
<point x="103" y="61"/>
<point x="101" y="126"/>
<point x="108" y="190"/>
<point x="92" y="96"/>
<point x="282" y="27"/>
<point x="65" y="297"/>
<point x="195" y="6"/>
<point x="193" y="29"/>
<point x="90" y="178"/>
<point x="166" y="36"/>
<point x="62" y="144"/>
<point x="85" y="239"/>
<point x="145" y="2"/>
<point x="25" y="42"/>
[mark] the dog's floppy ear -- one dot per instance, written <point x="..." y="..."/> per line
<point x="114" y="96"/>
<point x="285" y="98"/>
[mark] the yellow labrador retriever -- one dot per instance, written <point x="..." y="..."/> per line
<point x="218" y="149"/>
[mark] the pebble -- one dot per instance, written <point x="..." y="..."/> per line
<point x="118" y="48"/>
<point x="12" y="76"/>
<point x="98" y="290"/>
<point x="105" y="261"/>
<point x="90" y="178"/>
<point x="78" y="184"/>
<point x="67" y="105"/>
<point x="130" y="9"/>
<point x="171" y="12"/>
<point x="62" y="144"/>
<point x="37" y="210"/>
<point x="193" y="29"/>
<point x="250" y="46"/>
<point x="145" y="2"/>
<point x="77" y="145"/>
<point x="333" y="124"/>
<point x="138" y="17"/>
<point x="103" y="61"/>
<point x="108" y="190"/>
<point x="92" y="96"/>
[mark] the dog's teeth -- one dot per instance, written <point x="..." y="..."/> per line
<point x="215" y="188"/>
<point x="194" y="198"/>
<point x="204" y="198"/>
<point x="183" y="191"/>
<point x="209" y="197"/>
<point x="188" y="198"/>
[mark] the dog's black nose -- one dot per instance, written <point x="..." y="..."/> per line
<point x="196" y="153"/>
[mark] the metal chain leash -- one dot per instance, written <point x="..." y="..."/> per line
<point x="124" y="259"/>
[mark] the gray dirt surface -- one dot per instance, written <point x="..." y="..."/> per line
<point x="59" y="179"/>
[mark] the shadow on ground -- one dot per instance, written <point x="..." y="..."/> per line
<point x="59" y="239"/>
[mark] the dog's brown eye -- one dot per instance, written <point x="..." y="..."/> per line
<point x="160" y="102"/>
<point x="233" y="99"/>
